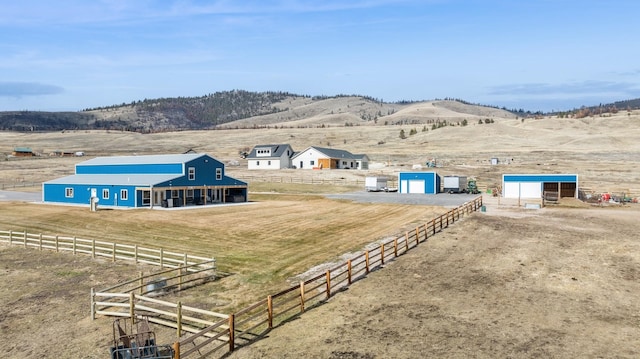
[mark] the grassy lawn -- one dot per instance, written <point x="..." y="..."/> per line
<point x="259" y="245"/>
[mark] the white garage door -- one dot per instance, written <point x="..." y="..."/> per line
<point x="416" y="186"/>
<point x="523" y="190"/>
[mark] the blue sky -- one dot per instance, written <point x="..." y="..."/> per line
<point x="532" y="54"/>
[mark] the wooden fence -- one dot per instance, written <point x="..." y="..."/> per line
<point x="250" y="323"/>
<point x="216" y="333"/>
<point x="307" y="180"/>
<point x="113" y="251"/>
<point x="4" y="186"/>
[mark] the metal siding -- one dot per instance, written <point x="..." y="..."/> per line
<point x="157" y="168"/>
<point x="55" y="193"/>
<point x="522" y="190"/>
<point x="539" y="178"/>
<point x="431" y="181"/>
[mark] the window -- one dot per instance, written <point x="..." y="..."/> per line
<point x="257" y="163"/>
<point x="68" y="192"/>
<point x="105" y="193"/>
<point x="269" y="163"/>
<point x="192" y="173"/>
<point x="174" y="193"/>
<point x="190" y="193"/>
<point x="124" y="194"/>
<point x="312" y="162"/>
<point x="218" y="174"/>
<point x="146" y="197"/>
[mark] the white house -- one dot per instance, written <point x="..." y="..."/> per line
<point x="329" y="158"/>
<point x="270" y="157"/>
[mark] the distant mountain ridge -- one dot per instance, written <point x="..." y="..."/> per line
<point x="245" y="109"/>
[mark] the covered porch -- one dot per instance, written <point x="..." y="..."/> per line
<point x="183" y="196"/>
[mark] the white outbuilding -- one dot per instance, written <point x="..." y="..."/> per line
<point x="534" y="186"/>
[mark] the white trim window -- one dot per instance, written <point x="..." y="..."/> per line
<point x="124" y="194"/>
<point x="68" y="192"/>
<point x="192" y="174"/>
<point x="105" y="193"/>
<point x="218" y="174"/>
<point x="146" y="197"/>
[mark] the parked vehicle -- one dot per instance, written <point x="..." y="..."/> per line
<point x="455" y="184"/>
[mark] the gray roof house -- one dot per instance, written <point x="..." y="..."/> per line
<point x="329" y="158"/>
<point x="269" y="157"/>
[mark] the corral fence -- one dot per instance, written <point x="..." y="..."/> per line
<point x="202" y="333"/>
<point x="244" y="326"/>
<point x="4" y="186"/>
<point x="307" y="180"/>
<point x="114" y="251"/>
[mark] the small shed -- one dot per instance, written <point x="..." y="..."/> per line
<point x="418" y="182"/>
<point x="536" y="185"/>
<point x="22" y="152"/>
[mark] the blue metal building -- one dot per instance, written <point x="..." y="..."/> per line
<point x="418" y="182"/>
<point x="147" y="181"/>
<point x="535" y="185"/>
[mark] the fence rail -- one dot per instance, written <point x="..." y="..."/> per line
<point x="254" y="321"/>
<point x="114" y="251"/>
<point x="212" y="332"/>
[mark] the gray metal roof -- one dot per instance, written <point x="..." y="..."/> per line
<point x="116" y="179"/>
<point x="276" y="150"/>
<point x="334" y="153"/>
<point x="144" y="159"/>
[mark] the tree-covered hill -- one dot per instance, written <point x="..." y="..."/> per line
<point x="245" y="109"/>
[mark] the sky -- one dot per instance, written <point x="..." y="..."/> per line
<point x="537" y="55"/>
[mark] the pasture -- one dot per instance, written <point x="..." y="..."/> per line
<point x="288" y="229"/>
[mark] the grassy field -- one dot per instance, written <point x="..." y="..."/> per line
<point x="260" y="245"/>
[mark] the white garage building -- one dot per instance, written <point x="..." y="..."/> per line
<point x="535" y="185"/>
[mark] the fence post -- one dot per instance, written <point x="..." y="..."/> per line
<point x="406" y="241"/>
<point x="74" y="245"/>
<point x="10" y="237"/>
<point x="40" y="241"/>
<point x="135" y="253"/>
<point x="114" y="252"/>
<point x="395" y="247"/>
<point x="349" y="270"/>
<point x="180" y="277"/>
<point x="328" y="284"/>
<point x="417" y="236"/>
<point x="270" y="311"/>
<point x="141" y="282"/>
<point x="176" y="350"/>
<point x="179" y="319"/>
<point x="57" y="250"/>
<point x="132" y="308"/>
<point x="232" y="332"/>
<point x="382" y="253"/>
<point x="366" y="260"/>
<point x="93" y="304"/>
<point x="433" y="221"/>
<point x="301" y="296"/>
<point x="25" y="238"/>
<point x="93" y="248"/>
<point x="161" y="258"/>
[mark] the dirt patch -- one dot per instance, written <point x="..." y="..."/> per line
<point x="556" y="283"/>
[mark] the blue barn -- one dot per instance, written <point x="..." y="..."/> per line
<point x="418" y="182"/>
<point x="147" y="181"/>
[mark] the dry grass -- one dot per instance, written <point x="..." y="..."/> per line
<point x="260" y="244"/>
<point x="290" y="228"/>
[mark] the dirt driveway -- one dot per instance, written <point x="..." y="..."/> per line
<point x="508" y="283"/>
